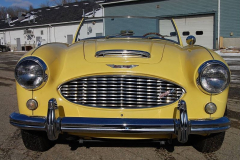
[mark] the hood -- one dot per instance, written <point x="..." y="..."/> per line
<point x="123" y="50"/>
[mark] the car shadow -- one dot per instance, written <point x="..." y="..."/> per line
<point x="75" y="143"/>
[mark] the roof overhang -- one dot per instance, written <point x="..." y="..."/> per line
<point x="50" y="24"/>
<point x="116" y="2"/>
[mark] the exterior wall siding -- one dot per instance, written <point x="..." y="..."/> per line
<point x="166" y="8"/>
<point x="230" y="19"/>
<point x="12" y="35"/>
<point x="50" y="34"/>
<point x="96" y="28"/>
<point x="2" y="38"/>
<point x="59" y="33"/>
<point x="126" y="24"/>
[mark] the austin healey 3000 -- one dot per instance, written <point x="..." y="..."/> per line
<point x="123" y="78"/>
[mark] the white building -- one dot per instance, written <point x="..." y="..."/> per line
<point x="49" y="24"/>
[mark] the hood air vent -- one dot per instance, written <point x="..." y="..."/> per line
<point x="122" y="53"/>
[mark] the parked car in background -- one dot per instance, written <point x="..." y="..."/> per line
<point x="136" y="82"/>
<point x="4" y="48"/>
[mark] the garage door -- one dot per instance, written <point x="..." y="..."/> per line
<point x="199" y="26"/>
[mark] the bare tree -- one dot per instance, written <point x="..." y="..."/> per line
<point x="57" y="2"/>
<point x="61" y="2"/>
<point x="46" y="4"/>
<point x="12" y="11"/>
<point x="43" y="5"/>
<point x="3" y="12"/>
<point x="30" y="8"/>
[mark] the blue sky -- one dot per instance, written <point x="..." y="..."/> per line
<point x="21" y="3"/>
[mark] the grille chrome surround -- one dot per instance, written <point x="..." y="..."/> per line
<point x="123" y="53"/>
<point x="121" y="91"/>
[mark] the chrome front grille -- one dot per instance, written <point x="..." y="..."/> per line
<point x="121" y="91"/>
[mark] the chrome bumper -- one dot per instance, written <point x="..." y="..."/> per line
<point x="181" y="127"/>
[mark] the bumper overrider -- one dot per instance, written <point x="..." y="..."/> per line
<point x="181" y="127"/>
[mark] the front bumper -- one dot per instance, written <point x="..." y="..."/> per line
<point x="181" y="127"/>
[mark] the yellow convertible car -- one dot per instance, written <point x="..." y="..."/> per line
<point x="135" y="81"/>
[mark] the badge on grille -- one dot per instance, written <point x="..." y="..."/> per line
<point x="121" y="66"/>
<point x="161" y="95"/>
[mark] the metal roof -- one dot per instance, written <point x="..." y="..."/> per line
<point x="67" y="13"/>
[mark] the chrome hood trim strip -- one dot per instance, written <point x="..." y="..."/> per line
<point x="123" y="53"/>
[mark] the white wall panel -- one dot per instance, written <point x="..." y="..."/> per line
<point x="59" y="33"/>
<point x="48" y="34"/>
<point x="194" y="24"/>
<point x="95" y="28"/>
<point x="2" y="38"/>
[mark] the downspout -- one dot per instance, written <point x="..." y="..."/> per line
<point x="47" y="35"/>
<point x="103" y="14"/>
<point x="219" y="11"/>
<point x="50" y="33"/>
<point x="54" y="34"/>
<point x="10" y="38"/>
<point x="4" y="37"/>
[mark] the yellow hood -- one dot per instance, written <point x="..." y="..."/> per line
<point x="155" y="48"/>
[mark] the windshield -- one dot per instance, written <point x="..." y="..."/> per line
<point x="130" y="27"/>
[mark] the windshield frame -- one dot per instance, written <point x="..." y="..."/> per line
<point x="86" y="19"/>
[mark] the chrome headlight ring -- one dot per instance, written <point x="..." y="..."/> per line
<point x="213" y="77"/>
<point x="30" y="73"/>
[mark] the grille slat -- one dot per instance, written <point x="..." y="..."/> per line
<point x="140" y="99"/>
<point x="80" y="84"/>
<point x="115" y="95"/>
<point x="117" y="91"/>
<point x="126" y="87"/>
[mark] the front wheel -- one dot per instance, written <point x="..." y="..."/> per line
<point x="207" y="144"/>
<point x="36" y="140"/>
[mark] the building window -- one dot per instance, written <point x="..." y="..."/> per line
<point x="199" y="32"/>
<point x="173" y="34"/>
<point x="98" y="34"/>
<point x="41" y="32"/>
<point x="186" y="33"/>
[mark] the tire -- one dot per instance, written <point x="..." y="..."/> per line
<point x="36" y="140"/>
<point x="226" y="112"/>
<point x="208" y="144"/>
<point x="4" y="49"/>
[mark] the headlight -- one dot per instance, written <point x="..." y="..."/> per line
<point x="214" y="76"/>
<point x="30" y="72"/>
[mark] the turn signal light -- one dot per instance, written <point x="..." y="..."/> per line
<point x="32" y="104"/>
<point x="210" y="108"/>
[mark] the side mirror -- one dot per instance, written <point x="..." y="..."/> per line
<point x="191" y="40"/>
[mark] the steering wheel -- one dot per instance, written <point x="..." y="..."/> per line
<point x="153" y="33"/>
